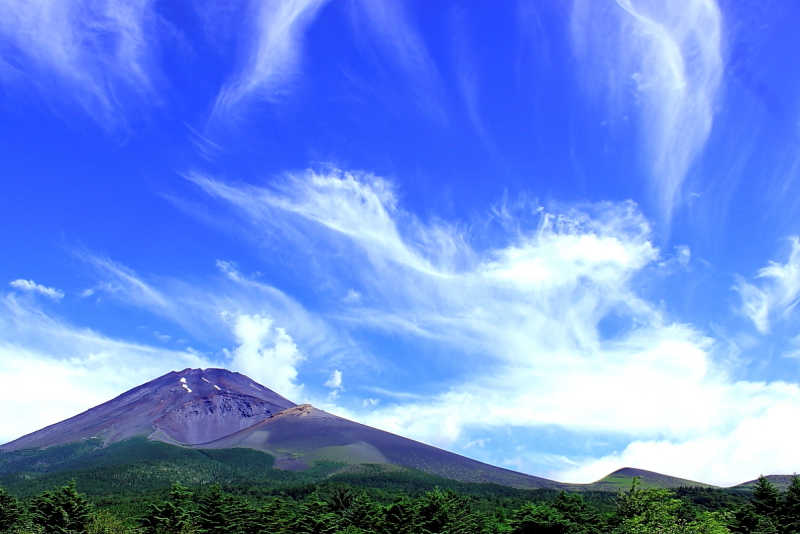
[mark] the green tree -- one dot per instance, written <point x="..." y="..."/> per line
<point x="658" y="511"/>
<point x="61" y="511"/>
<point x="11" y="512"/>
<point x="581" y="517"/>
<point x="171" y="517"/>
<point x="539" y="518"/>
<point x="767" y="499"/>
<point x="790" y="510"/>
<point x="316" y="517"/>
<point x="103" y="522"/>
<point x="398" y="517"/>
<point x="275" y="517"/>
<point x="445" y="512"/>
<point x="219" y="513"/>
<point x="353" y="508"/>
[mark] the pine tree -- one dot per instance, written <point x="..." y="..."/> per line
<point x="581" y="517"/>
<point x="398" y="517"/>
<point x="315" y="517"/>
<point x="790" y="512"/>
<point x="171" y="517"/>
<point x="537" y="518"/>
<point x="11" y="512"/>
<point x="353" y="508"/>
<point x="61" y="511"/>
<point x="219" y="513"/>
<point x="767" y="499"/>
<point x="275" y="517"/>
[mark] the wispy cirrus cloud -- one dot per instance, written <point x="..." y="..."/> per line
<point x="529" y="320"/>
<point x="664" y="61"/>
<point x="272" y="56"/>
<point x="776" y="291"/>
<point x="259" y="330"/>
<point x="528" y="317"/>
<point x="95" y="53"/>
<point x="390" y="29"/>
<point x="33" y="287"/>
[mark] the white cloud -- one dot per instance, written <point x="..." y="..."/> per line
<point x="267" y="354"/>
<point x="525" y="318"/>
<point x="665" y="59"/>
<point x="94" y="51"/>
<point x="61" y="370"/>
<point x="684" y="254"/>
<point x="31" y="286"/>
<point x="273" y="52"/>
<point x="759" y="442"/>
<point x="352" y="296"/>
<point x="204" y="307"/>
<point x="776" y="292"/>
<point x="335" y="381"/>
<point x="335" y="385"/>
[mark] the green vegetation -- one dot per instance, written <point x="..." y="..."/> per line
<point x="143" y="487"/>
<point x="335" y="507"/>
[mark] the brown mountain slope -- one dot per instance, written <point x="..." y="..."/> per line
<point x="302" y="435"/>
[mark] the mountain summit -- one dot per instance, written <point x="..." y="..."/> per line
<point x="220" y="409"/>
<point x="186" y="407"/>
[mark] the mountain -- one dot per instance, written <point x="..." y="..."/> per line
<point x="621" y="480"/>
<point x="189" y="407"/>
<point x="219" y="409"/>
<point x="780" y="481"/>
<point x="197" y="410"/>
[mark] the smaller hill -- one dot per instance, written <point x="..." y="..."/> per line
<point x="622" y="479"/>
<point x="781" y="482"/>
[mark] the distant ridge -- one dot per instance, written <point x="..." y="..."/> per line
<point x="781" y="482"/>
<point x="621" y="480"/>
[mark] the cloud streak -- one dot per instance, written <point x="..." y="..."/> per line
<point x="528" y="320"/>
<point x="665" y="61"/>
<point x="393" y="32"/>
<point x="95" y="52"/>
<point x="273" y="54"/>
<point x="776" y="292"/>
<point x="32" y="287"/>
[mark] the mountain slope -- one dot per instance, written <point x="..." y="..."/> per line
<point x="303" y="435"/>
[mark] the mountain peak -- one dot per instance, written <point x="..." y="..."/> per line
<point x="185" y="407"/>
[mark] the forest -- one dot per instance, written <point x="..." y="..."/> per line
<point x="331" y="508"/>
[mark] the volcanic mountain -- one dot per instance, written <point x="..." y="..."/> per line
<point x="189" y="407"/>
<point x="219" y="409"/>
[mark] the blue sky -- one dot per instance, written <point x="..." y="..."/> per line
<point x="559" y="237"/>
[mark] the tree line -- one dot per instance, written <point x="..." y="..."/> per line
<point x="344" y="509"/>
